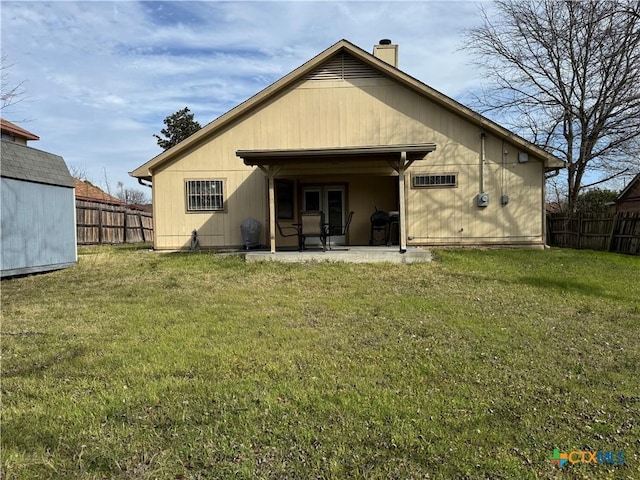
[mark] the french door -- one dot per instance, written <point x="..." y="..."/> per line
<point x="331" y="200"/>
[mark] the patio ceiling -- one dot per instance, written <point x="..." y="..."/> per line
<point x="369" y="152"/>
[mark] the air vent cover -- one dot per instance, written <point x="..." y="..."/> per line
<point x="343" y="67"/>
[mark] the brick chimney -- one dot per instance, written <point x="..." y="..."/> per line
<point x="386" y="52"/>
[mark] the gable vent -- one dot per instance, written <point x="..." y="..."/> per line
<point x="343" y="67"/>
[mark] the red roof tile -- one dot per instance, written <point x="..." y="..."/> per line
<point x="90" y="193"/>
<point x="13" y="129"/>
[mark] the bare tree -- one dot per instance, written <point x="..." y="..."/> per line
<point x="566" y="75"/>
<point x="131" y="196"/>
<point x="78" y="171"/>
<point x="10" y="93"/>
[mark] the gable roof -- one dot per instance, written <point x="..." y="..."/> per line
<point x="32" y="165"/>
<point x="15" y="130"/>
<point x="145" y="171"/>
<point x="90" y="193"/>
<point x="630" y="186"/>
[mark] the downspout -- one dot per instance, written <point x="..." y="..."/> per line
<point x="555" y="173"/>
<point x="545" y="222"/>
<point x="482" y="200"/>
<point x="402" y="165"/>
<point x="483" y="136"/>
<point x="141" y="182"/>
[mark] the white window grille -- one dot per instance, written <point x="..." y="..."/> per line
<point x="204" y="195"/>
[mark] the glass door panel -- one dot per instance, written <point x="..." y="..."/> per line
<point x="330" y="199"/>
<point x="312" y="199"/>
<point x="335" y="213"/>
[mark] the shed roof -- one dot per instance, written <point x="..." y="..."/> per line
<point x="13" y="129"/>
<point x="145" y="171"/>
<point x="32" y="165"/>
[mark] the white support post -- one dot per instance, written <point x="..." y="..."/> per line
<point x="402" y="212"/>
<point x="272" y="211"/>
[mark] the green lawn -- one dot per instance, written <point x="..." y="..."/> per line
<point x="136" y="364"/>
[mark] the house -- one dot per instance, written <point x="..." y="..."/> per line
<point x="37" y="213"/>
<point x="87" y="192"/>
<point x="13" y="133"/>
<point x="349" y="131"/>
<point x="629" y="198"/>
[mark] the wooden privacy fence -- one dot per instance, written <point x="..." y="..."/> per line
<point x="100" y="223"/>
<point x="618" y="233"/>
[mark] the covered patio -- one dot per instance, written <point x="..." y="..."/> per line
<point x="378" y="254"/>
<point x="365" y="160"/>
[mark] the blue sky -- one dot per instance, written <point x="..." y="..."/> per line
<point x="101" y="76"/>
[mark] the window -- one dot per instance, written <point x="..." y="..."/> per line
<point x="434" y="181"/>
<point x="204" y="195"/>
<point x="284" y="199"/>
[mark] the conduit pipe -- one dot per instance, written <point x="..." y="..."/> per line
<point x="483" y="136"/>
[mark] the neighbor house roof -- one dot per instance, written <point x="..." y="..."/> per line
<point x="90" y="193"/>
<point x="32" y="165"/>
<point x="146" y="170"/>
<point x="626" y="191"/>
<point x="13" y="129"/>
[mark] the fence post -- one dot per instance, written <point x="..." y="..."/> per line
<point x="141" y="227"/>
<point x="124" y="236"/>
<point x="614" y="226"/>
<point x="579" y="238"/>
<point x="100" y="224"/>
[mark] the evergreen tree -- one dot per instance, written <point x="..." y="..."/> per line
<point x="179" y="126"/>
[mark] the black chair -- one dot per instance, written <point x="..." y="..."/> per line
<point x="340" y="230"/>
<point x="394" y="220"/>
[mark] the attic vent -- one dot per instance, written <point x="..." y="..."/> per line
<point x="343" y="67"/>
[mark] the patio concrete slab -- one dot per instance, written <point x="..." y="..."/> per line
<point x="344" y="254"/>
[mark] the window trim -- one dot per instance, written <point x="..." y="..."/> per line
<point x="222" y="181"/>
<point x="414" y="176"/>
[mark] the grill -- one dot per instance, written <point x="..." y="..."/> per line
<point x="379" y="223"/>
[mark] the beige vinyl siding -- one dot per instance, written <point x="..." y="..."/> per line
<point x="341" y="113"/>
<point x="451" y="215"/>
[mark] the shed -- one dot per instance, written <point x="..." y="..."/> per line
<point x="37" y="213"/>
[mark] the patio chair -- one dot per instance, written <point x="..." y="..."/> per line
<point x="312" y="225"/>
<point x="340" y="230"/>
<point x="295" y="233"/>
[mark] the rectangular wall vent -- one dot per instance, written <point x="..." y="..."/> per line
<point x="434" y="181"/>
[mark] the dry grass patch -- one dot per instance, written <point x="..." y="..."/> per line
<point x="143" y="365"/>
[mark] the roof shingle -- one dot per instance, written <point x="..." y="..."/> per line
<point x="33" y="165"/>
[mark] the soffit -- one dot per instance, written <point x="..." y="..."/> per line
<point x="366" y="152"/>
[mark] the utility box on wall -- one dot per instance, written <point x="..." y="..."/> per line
<point x="482" y="199"/>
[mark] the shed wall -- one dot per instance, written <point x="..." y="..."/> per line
<point x="37" y="227"/>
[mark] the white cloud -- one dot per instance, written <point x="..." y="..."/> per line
<point x="101" y="76"/>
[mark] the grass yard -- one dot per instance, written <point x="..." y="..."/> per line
<point x="139" y="365"/>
